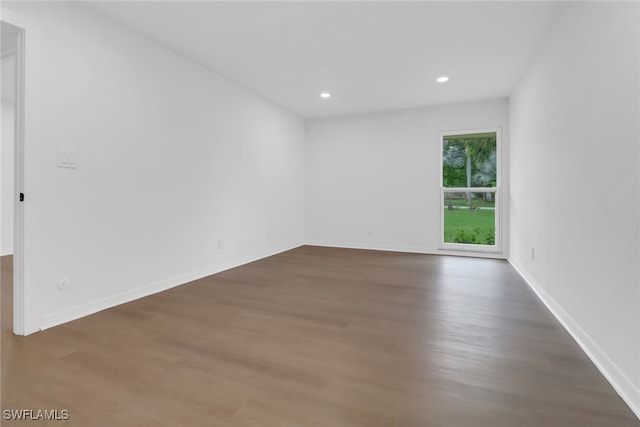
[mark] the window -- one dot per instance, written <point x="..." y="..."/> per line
<point x="470" y="196"/>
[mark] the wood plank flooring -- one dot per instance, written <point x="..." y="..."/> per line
<point x="316" y="337"/>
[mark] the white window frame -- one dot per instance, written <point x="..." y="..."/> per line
<point x="465" y="247"/>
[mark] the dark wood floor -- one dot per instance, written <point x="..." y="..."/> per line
<point x="317" y="337"/>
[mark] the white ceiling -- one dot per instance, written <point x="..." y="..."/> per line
<point x="370" y="56"/>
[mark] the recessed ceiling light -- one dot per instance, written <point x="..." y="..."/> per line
<point x="325" y="95"/>
<point x="442" y="79"/>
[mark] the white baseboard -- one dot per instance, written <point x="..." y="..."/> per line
<point x="85" y="309"/>
<point x="400" y="248"/>
<point x="618" y="380"/>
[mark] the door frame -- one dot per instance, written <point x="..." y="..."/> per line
<point x="19" y="301"/>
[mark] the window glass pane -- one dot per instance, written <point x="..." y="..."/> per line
<point x="472" y="223"/>
<point x="469" y="160"/>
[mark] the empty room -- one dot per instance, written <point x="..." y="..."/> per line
<point x="320" y="214"/>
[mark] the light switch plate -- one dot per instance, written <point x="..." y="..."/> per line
<point x="66" y="158"/>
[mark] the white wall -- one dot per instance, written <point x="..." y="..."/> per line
<point x="574" y="182"/>
<point x="373" y="180"/>
<point x="171" y="158"/>
<point x="6" y="156"/>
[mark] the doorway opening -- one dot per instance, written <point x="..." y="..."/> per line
<point x="11" y="177"/>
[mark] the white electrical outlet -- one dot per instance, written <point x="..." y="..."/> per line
<point x="533" y="253"/>
<point x="63" y="284"/>
<point x="220" y="244"/>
